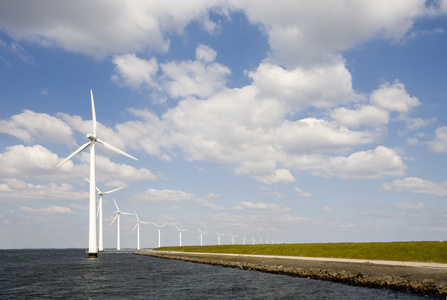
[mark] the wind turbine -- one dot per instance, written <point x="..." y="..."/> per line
<point x="218" y="237"/>
<point x="180" y="234"/>
<point x="99" y="214"/>
<point x="159" y="233"/>
<point x="138" y="229"/>
<point x="92" y="242"/>
<point x="244" y="239"/>
<point x="201" y="236"/>
<point x="117" y="217"/>
<point x="232" y="238"/>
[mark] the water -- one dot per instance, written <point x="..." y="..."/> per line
<point x="30" y="274"/>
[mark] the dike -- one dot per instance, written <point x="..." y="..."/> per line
<point x="423" y="281"/>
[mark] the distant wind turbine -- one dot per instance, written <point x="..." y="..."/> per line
<point x="253" y="240"/>
<point x="117" y="217"/>
<point x="92" y="242"/>
<point x="232" y="238"/>
<point x="138" y="229"/>
<point x="218" y="237"/>
<point x="180" y="234"/>
<point x="99" y="215"/>
<point x="159" y="233"/>
<point x="244" y="239"/>
<point x="201" y="236"/>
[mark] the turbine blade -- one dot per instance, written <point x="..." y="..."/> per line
<point x="164" y="225"/>
<point x="116" y="205"/>
<point x="114" y="219"/>
<point x="99" y="191"/>
<point x="126" y="213"/>
<point x="138" y="219"/>
<point x="115" y="149"/>
<point x="135" y="227"/>
<point x="74" y="153"/>
<point x="93" y="113"/>
<point x="144" y="222"/>
<point x="108" y="192"/>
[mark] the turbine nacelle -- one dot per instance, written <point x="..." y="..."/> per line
<point x="91" y="137"/>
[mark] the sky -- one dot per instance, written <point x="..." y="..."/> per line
<point x="287" y="121"/>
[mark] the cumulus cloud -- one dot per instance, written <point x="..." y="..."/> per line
<point x="173" y="196"/>
<point x="102" y="28"/>
<point x="393" y="97"/>
<point x="416" y="185"/>
<point x="302" y="193"/>
<point x="262" y="208"/>
<point x="30" y="126"/>
<point x="409" y="205"/>
<point x="439" y="144"/>
<point x="51" y="210"/>
<point x="200" y="78"/>
<point x="297" y="36"/>
<point x="14" y="189"/>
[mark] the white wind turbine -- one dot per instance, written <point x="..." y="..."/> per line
<point x="232" y="238"/>
<point x="117" y="217"/>
<point x="138" y="229"/>
<point x="180" y="234"/>
<point x="244" y="239"/>
<point x="159" y="233"/>
<point x="201" y="236"/>
<point x="99" y="215"/>
<point x="92" y="241"/>
<point x="218" y="237"/>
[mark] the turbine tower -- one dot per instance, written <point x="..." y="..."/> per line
<point x="218" y="237"/>
<point x="180" y="234"/>
<point x="117" y="217"/>
<point x="92" y="241"/>
<point x="201" y="236"/>
<point x="99" y="215"/>
<point x="244" y="239"/>
<point x="159" y="233"/>
<point x="138" y="229"/>
<point x="232" y="238"/>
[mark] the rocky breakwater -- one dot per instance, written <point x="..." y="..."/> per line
<point x="425" y="281"/>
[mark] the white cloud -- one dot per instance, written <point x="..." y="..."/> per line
<point x="200" y="78"/>
<point x="101" y="28"/>
<point x="267" y="191"/>
<point x="417" y="186"/>
<point x="367" y="115"/>
<point x="298" y="88"/>
<point x="51" y="210"/>
<point x="173" y="196"/>
<point x="30" y="126"/>
<point x="328" y="209"/>
<point x="302" y="193"/>
<point x="393" y="97"/>
<point x="306" y="32"/>
<point x="14" y="189"/>
<point x="30" y="162"/>
<point x="439" y="144"/>
<point x="134" y="72"/>
<point x="261" y="208"/>
<point x="410" y="205"/>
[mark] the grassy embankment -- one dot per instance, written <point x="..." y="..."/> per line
<point x="397" y="251"/>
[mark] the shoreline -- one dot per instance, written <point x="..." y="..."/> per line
<point x="419" y="278"/>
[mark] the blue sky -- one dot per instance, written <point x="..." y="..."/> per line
<point x="292" y="121"/>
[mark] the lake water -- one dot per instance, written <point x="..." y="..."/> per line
<point x="31" y="274"/>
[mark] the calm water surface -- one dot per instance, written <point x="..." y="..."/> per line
<point x="30" y="274"/>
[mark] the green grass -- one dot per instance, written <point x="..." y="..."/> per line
<point x="397" y="251"/>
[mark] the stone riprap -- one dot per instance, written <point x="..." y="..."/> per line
<point x="430" y="281"/>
